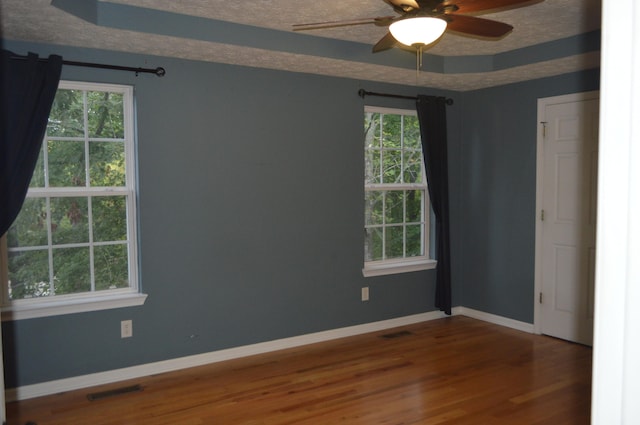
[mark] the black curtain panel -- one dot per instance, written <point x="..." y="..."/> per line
<point x="28" y="88"/>
<point x="433" y="131"/>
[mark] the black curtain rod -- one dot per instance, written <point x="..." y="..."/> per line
<point x="362" y="93"/>
<point x="159" y="71"/>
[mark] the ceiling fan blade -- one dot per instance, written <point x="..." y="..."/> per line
<point x="384" y="21"/>
<point x="403" y="6"/>
<point x="385" y="43"/>
<point x="485" y="6"/>
<point x="345" y="23"/>
<point x="481" y="27"/>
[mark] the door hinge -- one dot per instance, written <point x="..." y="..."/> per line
<point x="542" y="215"/>
<point x="540" y="298"/>
<point x="544" y="128"/>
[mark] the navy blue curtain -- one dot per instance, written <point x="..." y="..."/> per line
<point x="28" y="88"/>
<point x="432" y="115"/>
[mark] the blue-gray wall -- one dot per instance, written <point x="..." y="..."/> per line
<point x="497" y="162"/>
<point x="251" y="218"/>
<point x="251" y="213"/>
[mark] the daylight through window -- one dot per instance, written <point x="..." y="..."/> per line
<point x="396" y="197"/>
<point x="75" y="234"/>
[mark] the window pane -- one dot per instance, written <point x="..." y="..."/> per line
<point x="28" y="274"/>
<point x="66" y="163"/>
<point x="30" y="227"/>
<point x="392" y="163"/>
<point x="411" y="133"/>
<point x="109" y="218"/>
<point x="71" y="270"/>
<point x="111" y="267"/>
<point x="391" y="131"/>
<point x="37" y="180"/>
<point x="69" y="220"/>
<point x="66" y="118"/>
<point x="373" y="212"/>
<point x="373" y="244"/>
<point x="394" y="242"/>
<point x="412" y="167"/>
<point x="372" y="166"/>
<point x="394" y="207"/>
<point x="414" y="241"/>
<point x="415" y="204"/>
<point x="371" y="131"/>
<point x="105" y="114"/>
<point x="106" y="164"/>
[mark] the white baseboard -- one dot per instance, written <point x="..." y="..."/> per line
<point x="133" y="372"/>
<point x="492" y="318"/>
<point x="101" y="378"/>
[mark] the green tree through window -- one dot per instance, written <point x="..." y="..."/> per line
<point x="76" y="231"/>
<point x="396" y="205"/>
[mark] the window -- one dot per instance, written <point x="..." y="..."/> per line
<point x="73" y="245"/>
<point x="396" y="212"/>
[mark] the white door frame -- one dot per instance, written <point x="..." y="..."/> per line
<point x="542" y="104"/>
<point x="616" y="370"/>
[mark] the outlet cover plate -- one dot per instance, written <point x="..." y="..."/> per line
<point x="126" y="329"/>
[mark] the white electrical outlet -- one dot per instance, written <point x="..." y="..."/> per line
<point x="126" y="329"/>
<point x="365" y="293"/>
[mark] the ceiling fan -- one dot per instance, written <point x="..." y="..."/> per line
<point x="422" y="22"/>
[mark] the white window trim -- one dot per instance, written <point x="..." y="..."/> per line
<point x="92" y="301"/>
<point x="79" y="304"/>
<point x="401" y="265"/>
<point x="382" y="268"/>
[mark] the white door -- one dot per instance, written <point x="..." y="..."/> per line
<point x="566" y="225"/>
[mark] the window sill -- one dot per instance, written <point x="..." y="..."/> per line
<point x="31" y="309"/>
<point x="385" y="268"/>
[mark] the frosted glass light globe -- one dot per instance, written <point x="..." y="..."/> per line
<point x="421" y="30"/>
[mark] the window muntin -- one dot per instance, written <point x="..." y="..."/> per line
<point x="75" y="235"/>
<point x="396" y="197"/>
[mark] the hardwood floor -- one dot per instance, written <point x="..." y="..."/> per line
<point x="450" y="371"/>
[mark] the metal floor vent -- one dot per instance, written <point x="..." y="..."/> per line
<point x="114" y="392"/>
<point x="396" y="334"/>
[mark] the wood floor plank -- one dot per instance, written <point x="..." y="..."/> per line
<point x="450" y="371"/>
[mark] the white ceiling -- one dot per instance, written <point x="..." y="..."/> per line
<point x="551" y="20"/>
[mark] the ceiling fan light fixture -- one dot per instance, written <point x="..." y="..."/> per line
<point x="419" y="31"/>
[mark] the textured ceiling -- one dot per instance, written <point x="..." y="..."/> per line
<point x="318" y="51"/>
